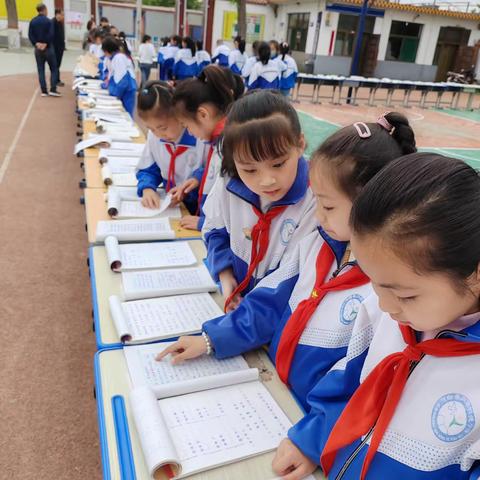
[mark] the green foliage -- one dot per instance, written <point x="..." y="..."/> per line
<point x="191" y="4"/>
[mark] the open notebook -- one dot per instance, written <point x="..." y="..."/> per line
<point x="135" y="229"/>
<point x="96" y="140"/>
<point x="106" y="153"/>
<point x="160" y="318"/>
<point x="120" y="207"/>
<point x="161" y="283"/>
<point x="214" y="426"/>
<point x="141" y="256"/>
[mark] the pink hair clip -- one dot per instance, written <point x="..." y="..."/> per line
<point x="383" y="122"/>
<point x="362" y="130"/>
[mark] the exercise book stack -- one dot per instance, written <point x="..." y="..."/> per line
<point x="204" y="419"/>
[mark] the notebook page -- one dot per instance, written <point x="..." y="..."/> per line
<point x="128" y="147"/>
<point x="138" y="256"/>
<point x="124" y="179"/>
<point x="117" y="152"/>
<point x="90" y="142"/>
<point x="135" y="209"/>
<point x="167" y="380"/>
<point x="161" y="283"/>
<point x="168" y="317"/>
<point x="121" y="162"/>
<point x="220" y="426"/>
<point x="125" y="230"/>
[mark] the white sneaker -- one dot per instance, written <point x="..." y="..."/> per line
<point x="55" y="94"/>
<point x="44" y="94"/>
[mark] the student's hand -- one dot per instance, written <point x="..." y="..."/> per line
<point x="150" y="198"/>
<point x="229" y="284"/>
<point x="178" y="193"/>
<point x="184" y="348"/>
<point x="290" y="463"/>
<point x="190" y="222"/>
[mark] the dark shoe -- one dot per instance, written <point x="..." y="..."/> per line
<point x="44" y="94"/>
<point x="60" y="84"/>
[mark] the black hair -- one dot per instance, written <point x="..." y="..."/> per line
<point x="90" y="24"/>
<point x="264" y="52"/>
<point x="58" y="10"/>
<point x="165" y="41"/>
<point x="41" y="7"/>
<point x="98" y="33"/>
<point x="255" y="45"/>
<point x="155" y="98"/>
<point x="146" y="38"/>
<point x="124" y="45"/>
<point x="199" y="45"/>
<point x="104" y="19"/>
<point x="177" y="39"/>
<point x="110" y="45"/>
<point x="261" y="125"/>
<point x="284" y="49"/>
<point x="122" y="35"/>
<point x="216" y="85"/>
<point x="354" y="160"/>
<point x="425" y="206"/>
<point x="240" y="42"/>
<point x="190" y="44"/>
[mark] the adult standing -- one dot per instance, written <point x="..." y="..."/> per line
<point x="59" y="39"/>
<point x="40" y="34"/>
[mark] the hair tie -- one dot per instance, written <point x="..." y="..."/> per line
<point x="384" y="123"/>
<point x="145" y="91"/>
<point x="362" y="130"/>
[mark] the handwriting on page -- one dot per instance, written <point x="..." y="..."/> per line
<point x="161" y="225"/>
<point x="169" y="315"/>
<point x="224" y="424"/>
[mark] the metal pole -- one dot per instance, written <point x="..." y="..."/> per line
<point x="358" y="45"/>
<point x="138" y="22"/>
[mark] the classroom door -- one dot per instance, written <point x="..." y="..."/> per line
<point x="446" y="61"/>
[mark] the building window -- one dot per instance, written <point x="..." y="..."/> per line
<point x="403" y="41"/>
<point x="298" y="30"/>
<point x="346" y="31"/>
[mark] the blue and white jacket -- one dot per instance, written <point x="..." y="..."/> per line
<point x="236" y="61"/>
<point x="261" y="316"/>
<point x="289" y="75"/>
<point x="185" y="65"/>
<point x="220" y="55"/>
<point x="229" y="218"/>
<point x="166" y="59"/>
<point x="122" y="83"/>
<point x="247" y="68"/>
<point x="265" y="76"/>
<point x="153" y="166"/>
<point x="203" y="59"/>
<point x="434" y="433"/>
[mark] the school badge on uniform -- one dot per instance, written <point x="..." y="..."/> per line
<point x="247" y="232"/>
<point x="286" y="230"/>
<point x="452" y="417"/>
<point x="349" y="309"/>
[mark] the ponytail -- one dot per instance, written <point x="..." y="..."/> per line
<point x="264" y="52"/>
<point x="241" y="43"/>
<point x="284" y="49"/>
<point x="216" y="85"/>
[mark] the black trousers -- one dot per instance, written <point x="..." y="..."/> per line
<point x="59" y="56"/>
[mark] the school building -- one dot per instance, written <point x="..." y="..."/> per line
<point x="401" y="41"/>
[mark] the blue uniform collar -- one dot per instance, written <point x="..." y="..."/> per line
<point x="293" y="196"/>
<point x="186" y="140"/>
<point x="338" y="248"/>
<point x="469" y="334"/>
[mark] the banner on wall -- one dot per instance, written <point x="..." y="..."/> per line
<point x="255" y="26"/>
<point x="26" y="9"/>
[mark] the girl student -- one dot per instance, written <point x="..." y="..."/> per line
<point x="185" y="65"/>
<point x="172" y="155"/>
<point x="405" y="402"/>
<point x="265" y="73"/>
<point x="306" y="309"/>
<point x="146" y="57"/>
<point x="121" y="80"/>
<point x="202" y="56"/>
<point x="201" y="105"/>
<point x="289" y="75"/>
<point x="237" y="57"/>
<point x="251" y="61"/>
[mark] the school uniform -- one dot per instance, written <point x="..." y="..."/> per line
<point x="220" y="55"/>
<point x="434" y="432"/>
<point x="122" y="83"/>
<point x="171" y="164"/>
<point x="263" y="314"/>
<point x="185" y="64"/>
<point x="203" y="59"/>
<point x="231" y="213"/>
<point x="146" y="57"/>
<point x="264" y="76"/>
<point x="166" y="59"/>
<point x="237" y="60"/>
<point x="247" y="68"/>
<point x="289" y="75"/>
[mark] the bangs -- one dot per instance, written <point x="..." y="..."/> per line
<point x="259" y="139"/>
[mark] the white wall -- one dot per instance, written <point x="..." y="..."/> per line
<point x="222" y="6"/>
<point x="77" y="14"/>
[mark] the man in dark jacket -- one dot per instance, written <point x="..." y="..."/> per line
<point x="59" y="39"/>
<point x="40" y="33"/>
